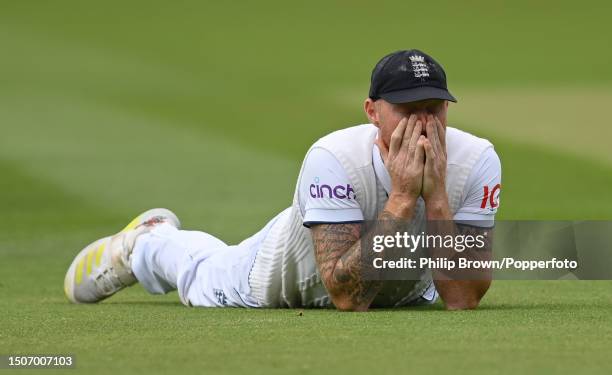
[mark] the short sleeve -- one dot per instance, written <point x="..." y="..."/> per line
<point x="325" y="192"/>
<point x="482" y="192"/>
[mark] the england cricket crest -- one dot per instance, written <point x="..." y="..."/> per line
<point x="221" y="297"/>
<point x="419" y="67"/>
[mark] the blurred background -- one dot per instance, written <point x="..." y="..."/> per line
<point x="207" y="108"/>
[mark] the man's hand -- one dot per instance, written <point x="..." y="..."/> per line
<point x="434" y="174"/>
<point x="405" y="161"/>
<point x="456" y="294"/>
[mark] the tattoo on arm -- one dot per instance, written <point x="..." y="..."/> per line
<point x="470" y="230"/>
<point x="341" y="262"/>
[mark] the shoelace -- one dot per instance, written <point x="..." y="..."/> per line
<point x="107" y="282"/>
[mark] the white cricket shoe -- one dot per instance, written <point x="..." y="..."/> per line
<point x="104" y="267"/>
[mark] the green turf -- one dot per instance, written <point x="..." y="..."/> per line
<point x="108" y="110"/>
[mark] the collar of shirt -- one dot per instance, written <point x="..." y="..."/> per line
<point x="381" y="171"/>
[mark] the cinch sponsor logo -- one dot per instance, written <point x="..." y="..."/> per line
<point x="326" y="191"/>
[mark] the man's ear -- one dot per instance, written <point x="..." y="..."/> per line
<point x="369" y="106"/>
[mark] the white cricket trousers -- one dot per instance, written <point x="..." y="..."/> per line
<point x="205" y="271"/>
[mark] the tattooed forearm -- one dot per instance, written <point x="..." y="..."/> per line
<point x="462" y="288"/>
<point x="471" y="230"/>
<point x="331" y="241"/>
<point x="341" y="263"/>
<point x="449" y="227"/>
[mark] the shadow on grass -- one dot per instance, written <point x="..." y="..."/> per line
<point x="437" y="307"/>
<point x="545" y="306"/>
<point x="120" y="303"/>
<point x="526" y="306"/>
<point x="146" y="303"/>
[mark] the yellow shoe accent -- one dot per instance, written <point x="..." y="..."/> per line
<point x="88" y="262"/>
<point x="79" y="271"/>
<point x="132" y="224"/>
<point x="103" y="267"/>
<point x="99" y="253"/>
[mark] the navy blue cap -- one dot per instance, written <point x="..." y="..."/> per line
<point x="409" y="76"/>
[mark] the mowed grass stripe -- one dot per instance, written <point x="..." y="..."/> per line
<point x="33" y="207"/>
<point x="540" y="183"/>
<point x="567" y="119"/>
<point x="131" y="163"/>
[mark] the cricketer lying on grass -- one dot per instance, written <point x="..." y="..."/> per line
<point x="405" y="164"/>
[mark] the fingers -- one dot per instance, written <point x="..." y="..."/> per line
<point x="416" y="134"/>
<point x="432" y="134"/>
<point x="430" y="153"/>
<point x="441" y="132"/>
<point x="410" y="139"/>
<point x="412" y="121"/>
<point x="396" y="137"/>
<point x="384" y="151"/>
<point x="419" y="154"/>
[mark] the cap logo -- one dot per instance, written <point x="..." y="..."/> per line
<point x="419" y="67"/>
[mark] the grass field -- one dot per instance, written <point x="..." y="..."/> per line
<point x="207" y="109"/>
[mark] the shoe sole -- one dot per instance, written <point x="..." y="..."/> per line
<point x="80" y="260"/>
